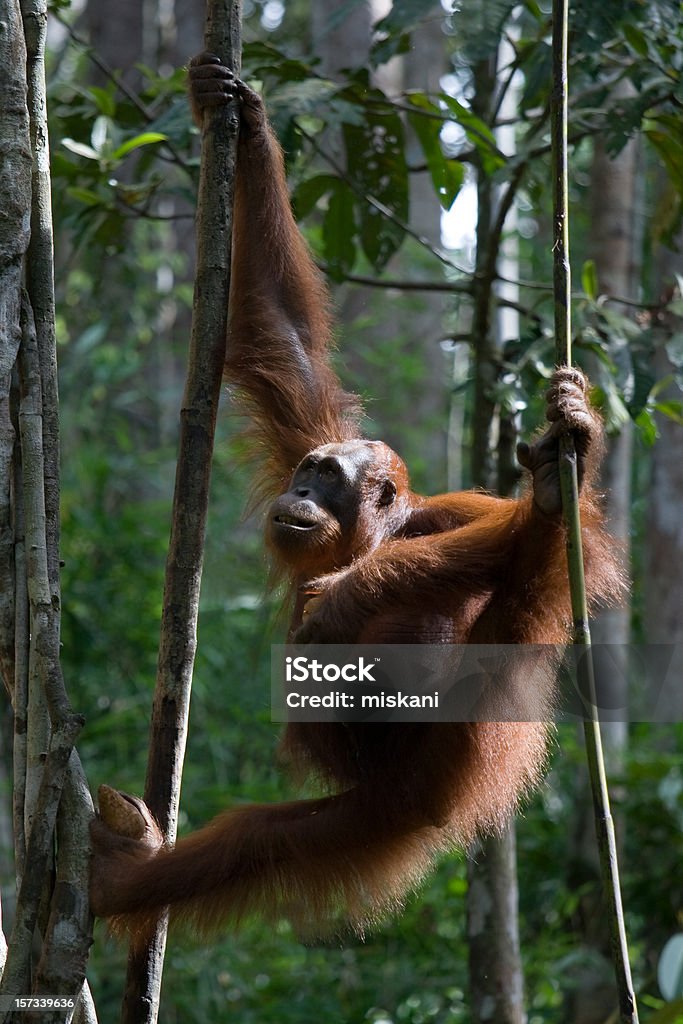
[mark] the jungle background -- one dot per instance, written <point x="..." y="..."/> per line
<point x="417" y="145"/>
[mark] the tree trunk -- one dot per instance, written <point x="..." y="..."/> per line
<point x="415" y="321"/>
<point x="663" y="571"/>
<point x="49" y="789"/>
<point x="118" y="38"/>
<point x="495" y="967"/>
<point x="615" y="248"/>
<point x="496" y="980"/>
<point x="341" y="42"/>
<point x="423" y="68"/>
<point x="15" y="187"/>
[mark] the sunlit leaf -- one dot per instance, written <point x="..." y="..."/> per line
<point x="479" y="134"/>
<point x="647" y="428"/>
<point x="100" y="133"/>
<point x="534" y="9"/>
<point x="447" y="175"/>
<point x="145" y="139"/>
<point x="80" y="149"/>
<point x="672" y="409"/>
<point x="106" y="103"/>
<point x="589" y="279"/>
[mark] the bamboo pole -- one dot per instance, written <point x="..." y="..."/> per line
<point x="190" y="501"/>
<point x="604" y="824"/>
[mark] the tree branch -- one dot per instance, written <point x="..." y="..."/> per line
<point x="17" y="977"/>
<point x="15" y="187"/>
<point x="404" y="285"/>
<point x="193" y="473"/>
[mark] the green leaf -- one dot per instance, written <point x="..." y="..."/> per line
<point x="145" y="139"/>
<point x="80" y="149"/>
<point x="457" y="886"/>
<point x="383" y="49"/>
<point x="672" y="1013"/>
<point x="671" y="152"/>
<point x="643" y="378"/>
<point x="616" y="325"/>
<point x="674" y="349"/>
<point x="309" y="192"/>
<point x="479" y="134"/>
<point x="85" y="195"/>
<point x="672" y="409"/>
<point x="106" y="104"/>
<point x="339" y="230"/>
<point x="647" y="428"/>
<point x="635" y="38"/>
<point x="661" y="385"/>
<point x="100" y="134"/>
<point x="304" y="97"/>
<point x="404" y="14"/>
<point x="447" y="175"/>
<point x="534" y="9"/>
<point x="614" y="411"/>
<point x="264" y="60"/>
<point x="537" y="67"/>
<point x="583" y="341"/>
<point x="375" y="152"/>
<point x="589" y="279"/>
<point x="392" y="32"/>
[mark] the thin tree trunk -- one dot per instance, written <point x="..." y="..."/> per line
<point x="15" y="187"/>
<point x="663" y="571"/>
<point x="190" y="504"/>
<point x="614" y="244"/>
<point x="45" y="766"/>
<point x="495" y="968"/>
<point x="496" y="979"/>
<point x="118" y="38"/>
<point x="340" y="42"/>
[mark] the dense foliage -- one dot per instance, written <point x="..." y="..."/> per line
<point x="124" y="177"/>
